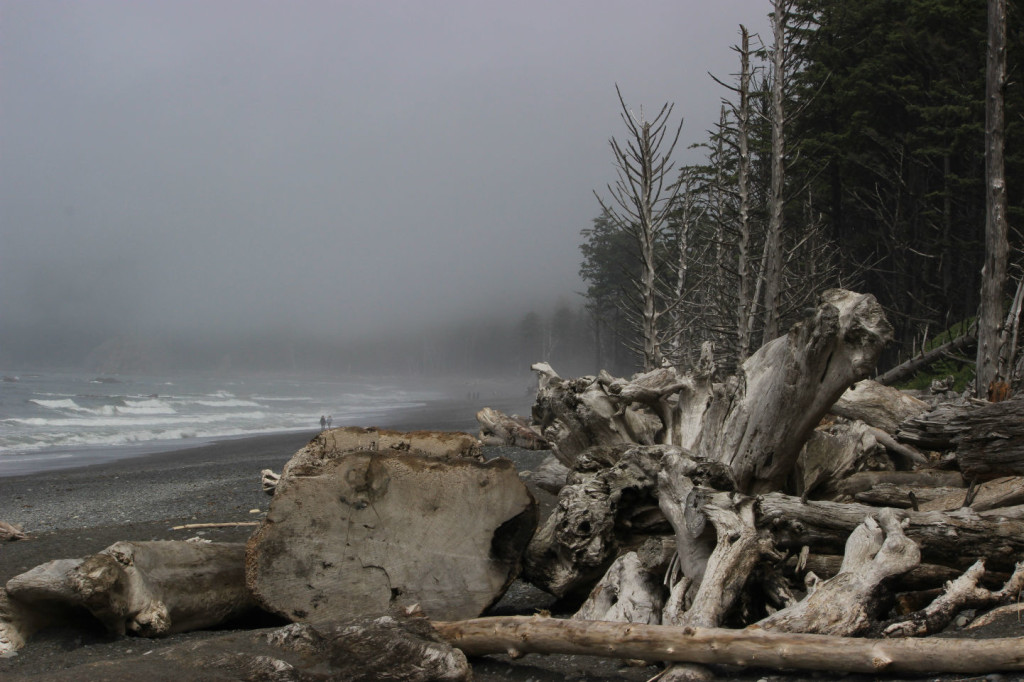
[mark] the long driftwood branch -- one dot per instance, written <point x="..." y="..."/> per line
<point x="750" y="647"/>
<point x="912" y="366"/>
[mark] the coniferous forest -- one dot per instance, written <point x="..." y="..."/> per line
<point x="850" y="151"/>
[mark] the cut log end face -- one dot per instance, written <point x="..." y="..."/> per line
<point x="379" y="530"/>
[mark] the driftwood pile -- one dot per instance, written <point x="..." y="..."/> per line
<point x="794" y="515"/>
<point x="797" y="496"/>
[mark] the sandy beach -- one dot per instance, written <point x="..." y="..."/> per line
<point x="79" y="511"/>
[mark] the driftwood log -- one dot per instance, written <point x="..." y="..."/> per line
<point x="878" y="405"/>
<point x="751" y="647"/>
<point x="497" y="428"/>
<point x="151" y="589"/>
<point x="955" y="539"/>
<point x="359" y="533"/>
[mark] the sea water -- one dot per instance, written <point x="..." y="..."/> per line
<point x="53" y="419"/>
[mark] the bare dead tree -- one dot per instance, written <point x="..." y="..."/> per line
<point x="643" y="199"/>
<point x="991" y="333"/>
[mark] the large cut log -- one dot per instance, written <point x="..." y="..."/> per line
<point x="151" y="589"/>
<point x="497" y="428"/>
<point x="955" y="539"/>
<point x="368" y="531"/>
<point x="751" y="648"/>
<point x="880" y="406"/>
<point x="848" y="603"/>
<point x="333" y="444"/>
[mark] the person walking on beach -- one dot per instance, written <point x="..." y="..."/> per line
<point x="323" y="422"/>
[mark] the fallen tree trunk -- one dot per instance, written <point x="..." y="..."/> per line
<point x="914" y="365"/>
<point x="878" y="405"/>
<point x="990" y="440"/>
<point x="925" y="478"/>
<point x="750" y="647"/>
<point x="497" y="428"/>
<point x="955" y="539"/>
<point x="151" y="589"/>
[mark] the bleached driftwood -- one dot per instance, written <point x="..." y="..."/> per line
<point x="628" y="593"/>
<point x="10" y="532"/>
<point x="497" y="428"/>
<point x="550" y="475"/>
<point x="151" y="589"/>
<point x="755" y="422"/>
<point x="847" y="603"/>
<point x="1000" y="492"/>
<point x="962" y="593"/>
<point x="955" y="539"/>
<point x="865" y="480"/>
<point x="752" y="648"/>
<point x="831" y="454"/>
<point x="333" y="444"/>
<point x="269" y="481"/>
<point x="605" y="500"/>
<point x="363" y="532"/>
<point x="878" y="405"/>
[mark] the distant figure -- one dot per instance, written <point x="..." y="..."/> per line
<point x="323" y="422"/>
<point x="330" y="418"/>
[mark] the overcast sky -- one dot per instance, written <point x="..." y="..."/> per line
<point x="207" y="166"/>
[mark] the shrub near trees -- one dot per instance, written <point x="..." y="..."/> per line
<point x="870" y="117"/>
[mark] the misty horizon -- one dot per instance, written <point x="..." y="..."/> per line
<point x="318" y="174"/>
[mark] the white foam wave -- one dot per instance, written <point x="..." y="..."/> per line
<point x="136" y="420"/>
<point x="151" y="406"/>
<point x="232" y="402"/>
<point x="63" y="404"/>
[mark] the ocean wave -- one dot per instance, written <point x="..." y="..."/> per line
<point x="62" y="404"/>
<point x="149" y="406"/>
<point x="232" y="402"/>
<point x="113" y="420"/>
<point x="124" y="437"/>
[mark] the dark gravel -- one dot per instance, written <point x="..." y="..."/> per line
<point x="76" y="512"/>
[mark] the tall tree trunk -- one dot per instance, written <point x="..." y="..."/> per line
<point x="773" y="248"/>
<point x="991" y="336"/>
<point x="744" y="305"/>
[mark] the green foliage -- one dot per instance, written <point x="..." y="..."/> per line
<point x="962" y="372"/>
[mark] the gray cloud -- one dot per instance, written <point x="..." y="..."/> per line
<point x="207" y="166"/>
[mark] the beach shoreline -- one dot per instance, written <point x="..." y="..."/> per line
<point x="440" y="414"/>
<point x="75" y="512"/>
